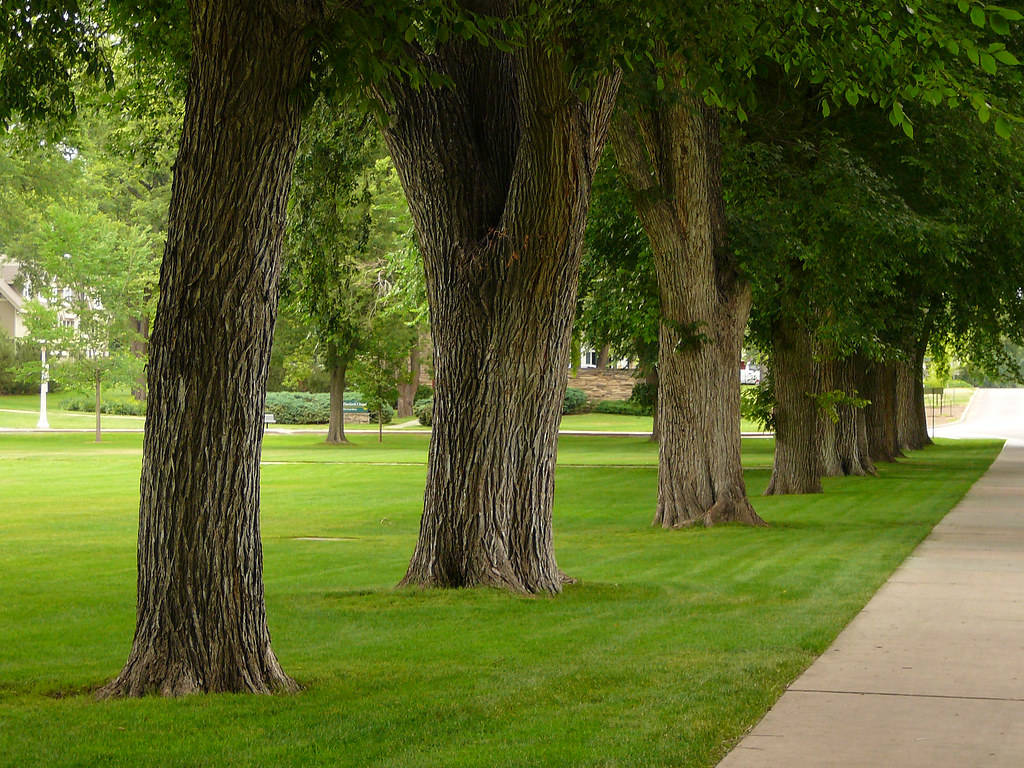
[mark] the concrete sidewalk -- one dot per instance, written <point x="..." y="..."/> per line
<point x="931" y="672"/>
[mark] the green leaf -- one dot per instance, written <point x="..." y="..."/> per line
<point x="987" y="63"/>
<point x="984" y="113"/>
<point x="978" y="16"/>
<point x="999" y="24"/>
<point x="852" y="96"/>
<point x="826" y="110"/>
<point x="963" y="6"/>
<point x="1005" y="57"/>
<point x="661" y="83"/>
<point x="1002" y="128"/>
<point x="908" y="128"/>
<point x="896" y="116"/>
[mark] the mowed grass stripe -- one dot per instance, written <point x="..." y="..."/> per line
<point x="668" y="648"/>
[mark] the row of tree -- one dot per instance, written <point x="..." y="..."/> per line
<point x="495" y="115"/>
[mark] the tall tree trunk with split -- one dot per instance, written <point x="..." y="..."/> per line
<point x="337" y="367"/>
<point x="201" y="620"/>
<point x="826" y="378"/>
<point x="140" y="349"/>
<point x="409" y="383"/>
<point x="911" y="417"/>
<point x="669" y="155"/>
<point x="843" y="440"/>
<point x="880" y="413"/>
<point x="797" y="467"/>
<point x="497" y="170"/>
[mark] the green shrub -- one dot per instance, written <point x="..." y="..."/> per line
<point x="623" y="408"/>
<point x="299" y="407"/>
<point x="19" y="367"/>
<point x="423" y="392"/>
<point x="115" y="407"/>
<point x="644" y="394"/>
<point x="575" y="400"/>
<point x="387" y="410"/>
<point x="424" y="410"/>
<point x="8" y="360"/>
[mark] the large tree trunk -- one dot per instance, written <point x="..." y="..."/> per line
<point x="602" y="356"/>
<point x="797" y="467"/>
<point x="670" y="158"/>
<point x="407" y="389"/>
<point x="844" y="438"/>
<point x="826" y="378"/>
<point x="201" y="620"/>
<point x="337" y="366"/>
<point x="911" y="416"/>
<point x="497" y="170"/>
<point x="140" y="349"/>
<point x="880" y="413"/>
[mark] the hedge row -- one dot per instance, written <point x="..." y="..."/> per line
<point x="575" y="401"/>
<point x="115" y="407"/>
<point x="623" y="408"/>
<point x="307" y="407"/>
<point x="424" y="411"/>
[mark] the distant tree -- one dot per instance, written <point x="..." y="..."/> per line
<point x="378" y="365"/>
<point x="618" y="296"/>
<point x="327" y="274"/>
<point x="90" y="279"/>
<point x="348" y="222"/>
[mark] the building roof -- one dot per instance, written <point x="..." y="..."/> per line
<point x="8" y="272"/>
<point x="12" y="296"/>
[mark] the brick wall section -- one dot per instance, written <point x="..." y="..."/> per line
<point x="604" y="383"/>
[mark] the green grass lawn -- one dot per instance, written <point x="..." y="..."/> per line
<point x="672" y="644"/>
<point x="22" y="412"/>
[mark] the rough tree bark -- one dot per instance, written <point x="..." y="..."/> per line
<point x="911" y="417"/>
<point x="337" y="366"/>
<point x="880" y="414"/>
<point x="200" y="619"/>
<point x="497" y="170"/>
<point x="669" y="155"/>
<point x="797" y="467"/>
<point x="602" y="356"/>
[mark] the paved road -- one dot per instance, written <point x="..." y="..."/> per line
<point x="991" y="413"/>
<point x="931" y="673"/>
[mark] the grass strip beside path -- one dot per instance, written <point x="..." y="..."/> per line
<point x="669" y="647"/>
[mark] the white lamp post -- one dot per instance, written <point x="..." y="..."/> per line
<point x="44" y="387"/>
